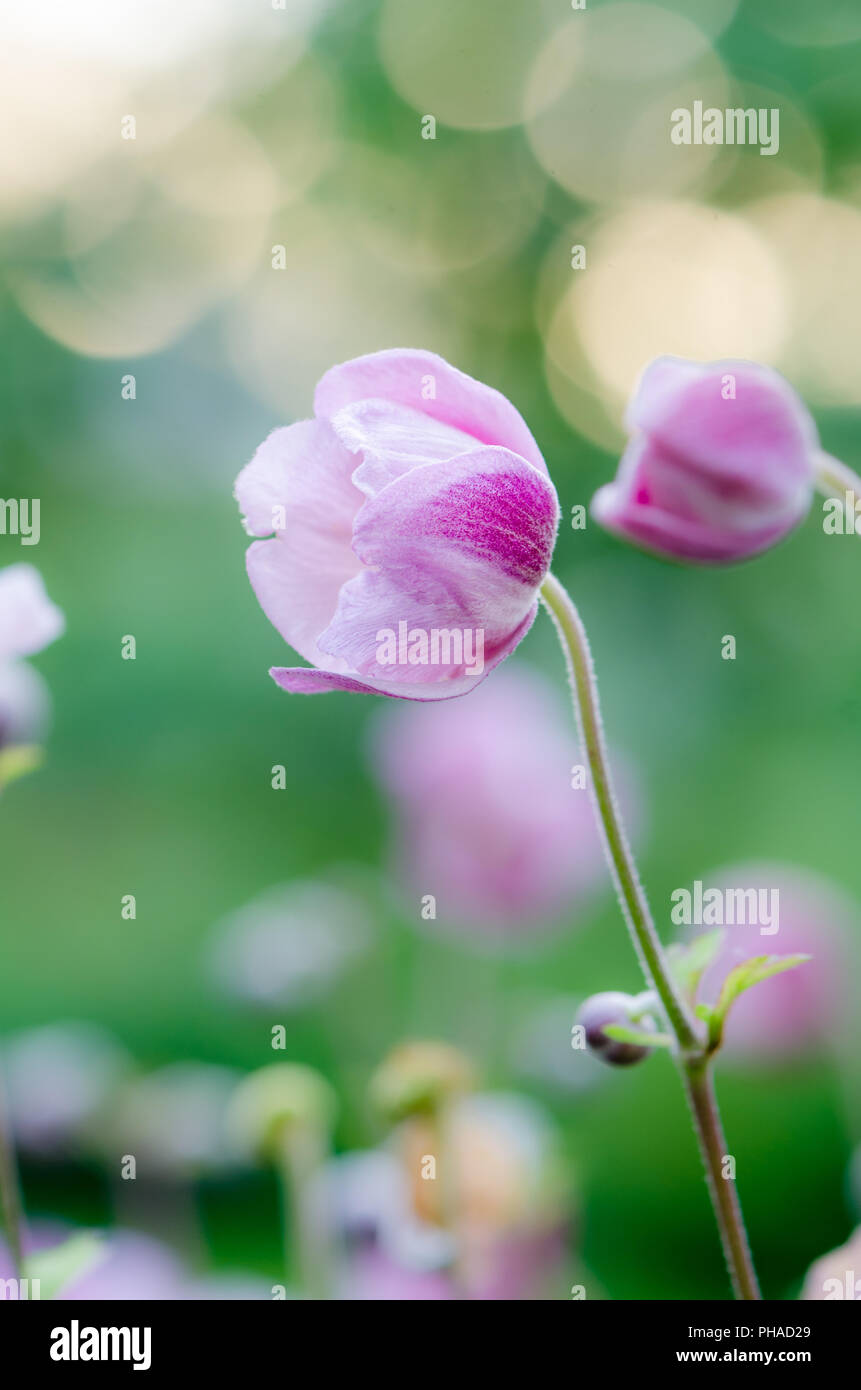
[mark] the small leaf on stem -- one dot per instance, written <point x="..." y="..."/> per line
<point x="639" y="1037"/>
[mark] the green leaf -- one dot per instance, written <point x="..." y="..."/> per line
<point x="752" y="972"/>
<point x="639" y="1037"/>
<point x="61" y="1264"/>
<point x="689" y="963"/>
<point x="17" y="760"/>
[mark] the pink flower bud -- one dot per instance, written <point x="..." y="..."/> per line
<point x="411" y="525"/>
<point x="613" y="1007"/>
<point x="720" y="465"/>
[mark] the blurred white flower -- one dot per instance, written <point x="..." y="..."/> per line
<point x="173" y="1121"/>
<point x="836" y="1275"/>
<point x="290" y="944"/>
<point x="28" y="618"/>
<point x="58" y="1078"/>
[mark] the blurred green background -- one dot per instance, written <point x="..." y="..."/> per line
<point x="153" y="257"/>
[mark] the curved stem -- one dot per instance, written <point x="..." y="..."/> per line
<point x="692" y="1057"/>
<point x="575" y="644"/>
<point x="836" y="479"/>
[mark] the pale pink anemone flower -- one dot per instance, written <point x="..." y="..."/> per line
<point x="416" y="502"/>
<point x="29" y="621"/>
<point x="132" y="1265"/>
<point x="509" y="1198"/>
<point x="721" y="463"/>
<point x="785" y="1016"/>
<point x="129" y="1265"/>
<point x="487" y="820"/>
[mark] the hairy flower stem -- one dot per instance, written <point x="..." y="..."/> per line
<point x="699" y="1085"/>
<point x="691" y="1054"/>
<point x="835" y="479"/>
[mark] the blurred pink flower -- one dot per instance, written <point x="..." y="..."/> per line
<point x="508" y="1194"/>
<point x="229" y="1287"/>
<point x="29" y="621"/>
<point x="720" y="465"/>
<point x="28" y="618"/>
<point x="134" y="1266"/>
<point x="415" y="503"/>
<point x="371" y="1274"/>
<point x="785" y="1015"/>
<point x="130" y="1266"/>
<point x="486" y="817"/>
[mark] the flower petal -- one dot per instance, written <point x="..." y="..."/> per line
<point x="28" y="618"/>
<point x="425" y="382"/>
<point x="458" y="547"/>
<point x="392" y="439"/>
<point x="763" y="435"/>
<point x="658" y="504"/>
<point x="304" y="680"/>
<point x="298" y="574"/>
<point x="303" y="469"/>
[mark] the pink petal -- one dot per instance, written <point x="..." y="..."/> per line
<point x="28" y="618"/>
<point x="673" y="511"/>
<point x="764" y="437"/>
<point x="303" y="470"/>
<point x="459" y="545"/>
<point x="392" y="439"/>
<point x="405" y="376"/>
<point x="297" y="575"/>
<point x="303" y="680"/>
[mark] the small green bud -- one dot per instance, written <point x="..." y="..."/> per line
<point x="276" y="1100"/>
<point x="418" y="1077"/>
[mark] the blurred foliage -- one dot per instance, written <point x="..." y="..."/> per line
<point x="157" y="776"/>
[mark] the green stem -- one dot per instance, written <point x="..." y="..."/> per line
<point x="835" y="479"/>
<point x="691" y="1056"/>
<point x="575" y="644"/>
<point x="10" y="1192"/>
<point x="699" y="1087"/>
<point x="306" y="1248"/>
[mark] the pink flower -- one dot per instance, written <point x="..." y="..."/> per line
<point x="415" y="503"/>
<point x="720" y="465"/>
<point x="488" y="821"/>
<point x="508" y="1195"/>
<point x="789" y="1013"/>
<point x="28" y="618"/>
<point x="28" y="622"/>
<point x="130" y="1265"/>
